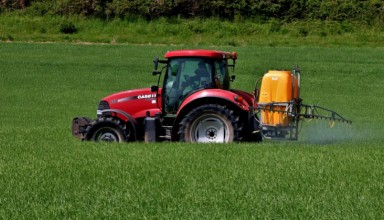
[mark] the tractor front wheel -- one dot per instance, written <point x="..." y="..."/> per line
<point x="209" y="124"/>
<point x="106" y="130"/>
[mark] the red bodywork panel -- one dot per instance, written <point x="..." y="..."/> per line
<point x="248" y="97"/>
<point x="135" y="102"/>
<point x="222" y="94"/>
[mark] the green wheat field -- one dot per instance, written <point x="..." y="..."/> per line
<point x="45" y="173"/>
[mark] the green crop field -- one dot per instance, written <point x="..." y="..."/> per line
<point x="45" y="173"/>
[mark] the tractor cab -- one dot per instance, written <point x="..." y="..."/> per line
<point x="189" y="71"/>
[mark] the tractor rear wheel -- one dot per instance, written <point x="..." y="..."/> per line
<point x="106" y="130"/>
<point x="209" y="124"/>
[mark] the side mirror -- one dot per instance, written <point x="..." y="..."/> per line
<point x="154" y="88"/>
<point x="233" y="77"/>
<point x="156" y="62"/>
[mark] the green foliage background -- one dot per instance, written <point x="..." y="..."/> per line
<point x="369" y="11"/>
<point x="181" y="22"/>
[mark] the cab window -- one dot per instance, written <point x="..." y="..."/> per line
<point x="184" y="76"/>
<point x="221" y="74"/>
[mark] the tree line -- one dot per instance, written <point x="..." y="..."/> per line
<point x="367" y="11"/>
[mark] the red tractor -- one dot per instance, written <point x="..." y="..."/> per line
<point x="196" y="104"/>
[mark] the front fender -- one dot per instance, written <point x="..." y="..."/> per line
<point x="131" y="120"/>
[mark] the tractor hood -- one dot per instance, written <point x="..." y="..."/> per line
<point x="134" y="102"/>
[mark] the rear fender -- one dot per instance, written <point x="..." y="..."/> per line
<point x="217" y="94"/>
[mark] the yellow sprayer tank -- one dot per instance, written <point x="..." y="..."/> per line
<point x="279" y="88"/>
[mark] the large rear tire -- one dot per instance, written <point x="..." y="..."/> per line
<point x="107" y="129"/>
<point x="209" y="124"/>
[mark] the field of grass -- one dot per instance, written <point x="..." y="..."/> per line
<point x="45" y="173"/>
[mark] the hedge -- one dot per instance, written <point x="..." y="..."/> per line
<point x="368" y="11"/>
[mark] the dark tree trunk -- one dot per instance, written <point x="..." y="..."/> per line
<point x="22" y="3"/>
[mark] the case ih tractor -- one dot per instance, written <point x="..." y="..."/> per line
<point x="196" y="104"/>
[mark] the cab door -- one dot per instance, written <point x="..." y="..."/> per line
<point x="185" y="76"/>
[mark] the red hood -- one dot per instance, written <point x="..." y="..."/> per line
<point x="135" y="102"/>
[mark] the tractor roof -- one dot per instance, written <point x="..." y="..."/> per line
<point x="201" y="53"/>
